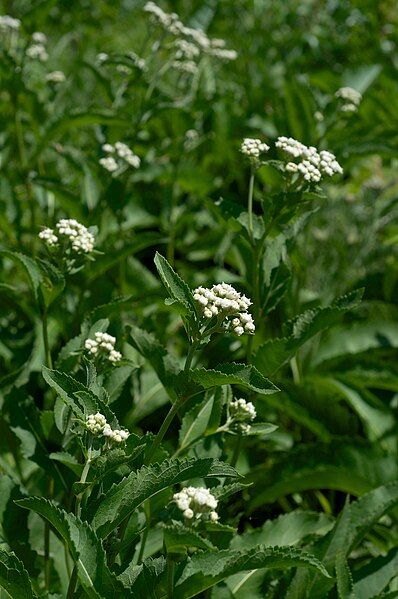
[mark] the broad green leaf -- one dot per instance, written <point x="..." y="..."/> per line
<point x="287" y="529"/>
<point x="124" y="497"/>
<point x="13" y="577"/>
<point x="262" y="428"/>
<point x="372" y="578"/>
<point x="195" y="423"/>
<point x="178" y="537"/>
<point x="275" y="352"/>
<point x="77" y="396"/>
<point x="233" y="374"/>
<point x="205" y="570"/>
<point x="85" y="548"/>
<point x="31" y="268"/>
<point x="354" y="522"/>
<point x="164" y="366"/>
<point x="145" y="580"/>
<point x="175" y="286"/>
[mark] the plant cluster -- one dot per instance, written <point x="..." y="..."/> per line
<point x="198" y="375"/>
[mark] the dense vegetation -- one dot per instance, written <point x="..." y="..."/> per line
<point x="198" y="351"/>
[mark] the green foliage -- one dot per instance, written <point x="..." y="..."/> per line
<point x="198" y="348"/>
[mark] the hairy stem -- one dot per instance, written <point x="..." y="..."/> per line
<point x="145" y="533"/>
<point x="170" y="578"/>
<point x="162" y="431"/>
<point x="238" y="446"/>
<point x="250" y="202"/>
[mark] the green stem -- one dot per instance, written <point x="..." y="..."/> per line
<point x="47" y="564"/>
<point x="170" y="578"/>
<point x="162" y="431"/>
<point x="238" y="446"/>
<point x="250" y="202"/>
<point x="189" y="358"/>
<point x="145" y="533"/>
<point x="47" y="350"/>
<point x="72" y="583"/>
<point x="24" y="163"/>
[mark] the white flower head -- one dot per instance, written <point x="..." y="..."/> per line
<point x="312" y="164"/>
<point x="55" y="77"/>
<point x="119" y="156"/>
<point x="103" y="344"/>
<point x="253" y="148"/>
<point x="197" y="503"/>
<point x="228" y="305"/>
<point x="48" y="236"/>
<point x="79" y="238"/>
<point x="37" y="52"/>
<point x="8" y="23"/>
<point x="39" y="38"/>
<point x="242" y="412"/>
<point x="96" y="423"/>
<point x="349" y="95"/>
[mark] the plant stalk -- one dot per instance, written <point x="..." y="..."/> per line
<point x="250" y="202"/>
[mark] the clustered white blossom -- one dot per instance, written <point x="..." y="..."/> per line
<point x="55" y="77"/>
<point x="185" y="66"/>
<point x="173" y="25"/>
<point x="8" y="23"/>
<point x="224" y="301"/>
<point x="80" y="238"/>
<point x="253" y="148"/>
<point x="197" y="503"/>
<point x="350" y="97"/>
<point x="102" y="57"/>
<point x="242" y="412"/>
<point x="118" y="155"/>
<point x="97" y="425"/>
<point x="37" y="50"/>
<point x="313" y="164"/>
<point x="103" y="344"/>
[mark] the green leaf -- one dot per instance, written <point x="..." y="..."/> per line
<point x="373" y="577"/>
<point x="145" y="580"/>
<point x="354" y="522"/>
<point x="195" y="423"/>
<point x="344" y="578"/>
<point x="76" y="396"/>
<point x="13" y="577"/>
<point x="275" y="352"/>
<point x="205" y="570"/>
<point x="176" y="287"/>
<point x="262" y="428"/>
<point x="287" y="529"/>
<point x="31" y="268"/>
<point x="164" y="366"/>
<point x="233" y="374"/>
<point x="178" y="537"/>
<point x="85" y="548"/>
<point x="124" y="497"/>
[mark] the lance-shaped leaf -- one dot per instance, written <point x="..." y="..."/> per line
<point x="77" y="396"/>
<point x="275" y="352"/>
<point x="164" y="366"/>
<point x="176" y="287"/>
<point x="13" y="577"/>
<point x="31" y="268"/>
<point x="124" y="497"/>
<point x="244" y="375"/>
<point x="207" y="569"/>
<point x="85" y="548"/>
<point x="354" y="522"/>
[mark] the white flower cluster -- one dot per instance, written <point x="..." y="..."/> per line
<point x="48" y="236"/>
<point x="97" y="425"/>
<point x="350" y="97"/>
<point x="102" y="57"/>
<point x="223" y="300"/>
<point x="103" y="344"/>
<point x="185" y="66"/>
<point x="197" y="503"/>
<point x="253" y="147"/>
<point x="82" y="241"/>
<point x="8" y="23"/>
<point x="313" y="164"/>
<point x="37" y="50"/>
<point x="173" y="25"/>
<point x="242" y="412"/>
<point x="118" y="156"/>
<point x="55" y="77"/>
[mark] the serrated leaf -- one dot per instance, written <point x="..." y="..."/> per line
<point x="195" y="422"/>
<point x="272" y="354"/>
<point x="344" y="578"/>
<point x="205" y="570"/>
<point x="372" y="578"/>
<point x="13" y="577"/>
<point x="124" y="497"/>
<point x="176" y="287"/>
<point x="85" y="548"/>
<point x="145" y="580"/>
<point x="178" y="537"/>
<point x="233" y="374"/>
